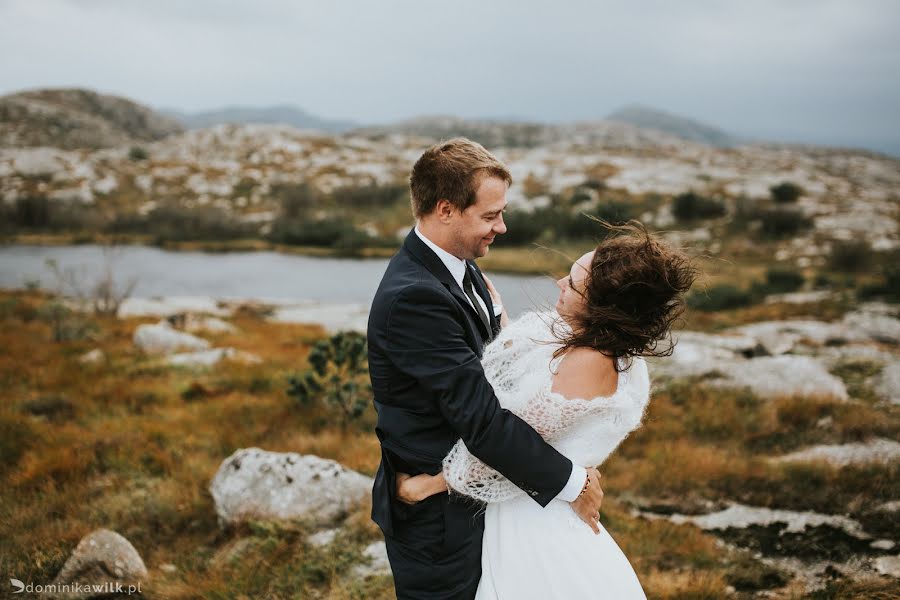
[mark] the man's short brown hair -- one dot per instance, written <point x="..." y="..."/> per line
<point x="452" y="170"/>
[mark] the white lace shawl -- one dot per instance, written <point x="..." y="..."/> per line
<point x="519" y="366"/>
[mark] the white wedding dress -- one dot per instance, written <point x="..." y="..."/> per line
<point x="530" y="552"/>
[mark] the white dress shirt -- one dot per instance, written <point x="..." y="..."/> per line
<point x="457" y="268"/>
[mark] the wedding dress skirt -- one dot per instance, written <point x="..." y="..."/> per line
<point x="538" y="553"/>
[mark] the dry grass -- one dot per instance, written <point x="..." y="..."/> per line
<point x="714" y="443"/>
<point x="135" y="454"/>
<point x="131" y="445"/>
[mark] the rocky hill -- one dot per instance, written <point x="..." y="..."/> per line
<point x="272" y="115"/>
<point x="688" y="129"/>
<point x="78" y="119"/>
<point x="525" y="134"/>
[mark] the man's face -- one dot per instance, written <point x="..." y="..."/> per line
<point x="475" y="228"/>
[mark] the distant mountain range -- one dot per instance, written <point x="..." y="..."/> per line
<point x="499" y="131"/>
<point x="80" y="118"/>
<point x="274" y="115"/>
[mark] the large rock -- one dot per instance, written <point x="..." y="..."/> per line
<point x="835" y="356"/>
<point x="740" y="516"/>
<point x="208" y="358"/>
<point x="888" y="565"/>
<point x="887" y="383"/>
<point x="879" y="327"/>
<point x="170" y="305"/>
<point x="162" y="339"/>
<point x="195" y="324"/>
<point x="693" y="356"/>
<point x="873" y="451"/>
<point x="256" y="484"/>
<point x="333" y="317"/>
<point x="780" y="337"/>
<point x="93" y="357"/>
<point x="799" y="297"/>
<point x="774" y="376"/>
<point x="103" y="557"/>
<point x="734" y="342"/>
<point x="378" y="564"/>
<point x="323" y="538"/>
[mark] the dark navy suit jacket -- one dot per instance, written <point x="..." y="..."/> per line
<point x="425" y="344"/>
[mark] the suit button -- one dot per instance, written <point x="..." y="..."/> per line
<point x="534" y="493"/>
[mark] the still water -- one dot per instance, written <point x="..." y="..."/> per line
<point x="237" y="274"/>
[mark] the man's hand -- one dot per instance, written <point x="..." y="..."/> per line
<point x="587" y="505"/>
<point x="415" y="489"/>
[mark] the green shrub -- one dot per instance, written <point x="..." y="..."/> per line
<point x="720" y="297"/>
<point x="295" y="199"/>
<point x="889" y="286"/>
<point x="617" y="213"/>
<point x="171" y="222"/>
<point x="780" y="223"/>
<point x="54" y="408"/>
<point x="521" y="228"/>
<point x="328" y="232"/>
<point x="338" y="377"/>
<point x="781" y="280"/>
<point x="850" y="256"/>
<point x="67" y="325"/>
<point x="366" y="197"/>
<point x="32" y="212"/>
<point x="786" y="192"/>
<point x="137" y="153"/>
<point x="16" y="437"/>
<point x="690" y="206"/>
<point x="559" y="222"/>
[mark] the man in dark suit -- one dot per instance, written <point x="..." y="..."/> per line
<point x="429" y="322"/>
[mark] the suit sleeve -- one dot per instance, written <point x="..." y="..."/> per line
<point x="426" y="340"/>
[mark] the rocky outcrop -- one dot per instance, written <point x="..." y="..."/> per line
<point x="102" y="558"/>
<point x="256" y="484"/>
<point x="376" y="563"/>
<point x="775" y="376"/>
<point x="887" y="383"/>
<point x="880" y="327"/>
<point x="161" y="338"/>
<point x="780" y="337"/>
<point x="721" y="361"/>
<point x="208" y="358"/>
<point x="873" y="451"/>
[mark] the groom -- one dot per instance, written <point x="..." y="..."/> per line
<point x="430" y="319"/>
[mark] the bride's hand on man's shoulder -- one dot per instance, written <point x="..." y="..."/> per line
<point x="496" y="299"/>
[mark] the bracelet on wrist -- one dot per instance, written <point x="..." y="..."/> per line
<point x="587" y="483"/>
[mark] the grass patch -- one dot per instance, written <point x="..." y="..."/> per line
<point x="133" y="444"/>
<point x="856" y="375"/>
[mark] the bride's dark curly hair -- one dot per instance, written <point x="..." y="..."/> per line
<point x="633" y="294"/>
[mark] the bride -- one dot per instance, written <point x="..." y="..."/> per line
<point x="578" y="377"/>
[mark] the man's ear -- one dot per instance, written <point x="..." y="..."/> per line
<point x="444" y="210"/>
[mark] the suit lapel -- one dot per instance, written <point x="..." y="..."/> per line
<point x="436" y="267"/>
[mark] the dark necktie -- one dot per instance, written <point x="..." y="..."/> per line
<point x="470" y="292"/>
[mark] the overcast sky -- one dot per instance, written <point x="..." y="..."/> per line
<point x="823" y="71"/>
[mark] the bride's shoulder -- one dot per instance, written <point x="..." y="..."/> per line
<point x="586" y="373"/>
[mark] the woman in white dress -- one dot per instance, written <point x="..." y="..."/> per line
<point x="578" y="377"/>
